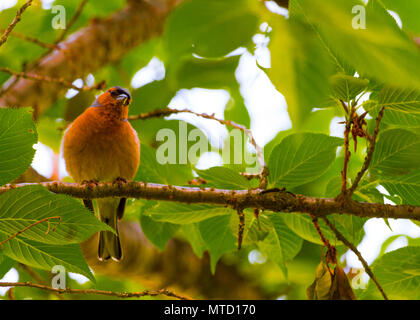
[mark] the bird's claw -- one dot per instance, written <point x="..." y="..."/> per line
<point x="119" y="181"/>
<point x="90" y="183"/>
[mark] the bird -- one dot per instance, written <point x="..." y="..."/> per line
<point x="100" y="145"/>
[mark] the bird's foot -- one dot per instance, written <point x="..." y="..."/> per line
<point x="119" y="181"/>
<point x="90" y="183"/>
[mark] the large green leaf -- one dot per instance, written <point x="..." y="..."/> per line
<point x="46" y="256"/>
<point x="405" y="186"/>
<point x="224" y="178"/>
<point x="22" y="207"/>
<point x="301" y="158"/>
<point x="205" y="73"/>
<point x="281" y="245"/>
<point x="217" y="236"/>
<point x="397" y="152"/>
<point x="192" y="233"/>
<point x="380" y="50"/>
<point x="150" y="170"/>
<point x="180" y="213"/>
<point x="157" y="232"/>
<point x="408" y="11"/>
<point x="398" y="272"/>
<point x="300" y="68"/>
<point x="346" y="87"/>
<point x="205" y="28"/>
<point x="302" y="225"/>
<point x="402" y="106"/>
<point x="5" y="264"/>
<point x="17" y="137"/>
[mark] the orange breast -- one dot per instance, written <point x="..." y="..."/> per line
<point x="99" y="148"/>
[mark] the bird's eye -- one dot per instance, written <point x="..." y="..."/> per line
<point x="114" y="93"/>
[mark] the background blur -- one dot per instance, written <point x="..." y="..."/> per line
<point x="268" y="119"/>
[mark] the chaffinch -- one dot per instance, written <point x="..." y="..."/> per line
<point x="102" y="146"/>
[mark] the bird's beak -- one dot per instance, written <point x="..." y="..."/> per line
<point x="124" y="99"/>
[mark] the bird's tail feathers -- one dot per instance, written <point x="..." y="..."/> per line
<point x="109" y="243"/>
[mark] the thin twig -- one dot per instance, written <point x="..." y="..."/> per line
<point x="17" y="18"/>
<point x="51" y="48"/>
<point x="33" y="40"/>
<point x="168" y="111"/>
<point x="34" y="275"/>
<point x="369" y="154"/>
<point x="32" y="225"/>
<point x="72" y="21"/>
<point x="331" y="252"/>
<point x="353" y="248"/>
<point x="93" y="291"/>
<point x="65" y="83"/>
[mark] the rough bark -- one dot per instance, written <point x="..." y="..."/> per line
<point x="273" y="200"/>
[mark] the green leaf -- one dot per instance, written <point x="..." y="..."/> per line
<point x="301" y="224"/>
<point x="152" y="96"/>
<point x="402" y="106"/>
<point x="45" y="256"/>
<point x="152" y="171"/>
<point x="181" y="142"/>
<point x="192" y="233"/>
<point x="349" y="226"/>
<point x="408" y="12"/>
<point x="346" y="87"/>
<point x="22" y="207"/>
<point x="157" y="232"/>
<point x="224" y="178"/>
<point x="255" y="229"/>
<point x="396" y="152"/>
<point x="17" y="137"/>
<point x="282" y="244"/>
<point x="49" y="134"/>
<point x="300" y="67"/>
<point x="205" y="73"/>
<point x="398" y="272"/>
<point x="217" y="235"/>
<point x="301" y="158"/>
<point x="180" y="213"/>
<point x="406" y="186"/>
<point x="381" y="50"/>
<point x="5" y="264"/>
<point x="205" y="28"/>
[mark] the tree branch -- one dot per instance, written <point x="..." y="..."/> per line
<point x="278" y="201"/>
<point x="33" y="40"/>
<point x="93" y="291"/>
<point x="15" y="21"/>
<point x="59" y="81"/>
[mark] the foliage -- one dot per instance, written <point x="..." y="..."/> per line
<point x="318" y="61"/>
